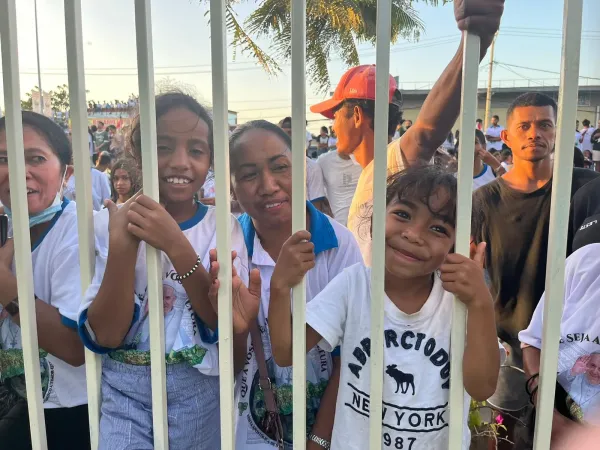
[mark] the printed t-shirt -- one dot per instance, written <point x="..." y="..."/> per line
<point x="586" y="144"/>
<point x="359" y="216"/>
<point x="55" y="261"/>
<point x="494" y="131"/>
<point x="579" y="347"/>
<point x="335" y="249"/>
<point x="187" y="340"/>
<point x="486" y="176"/>
<point x="315" y="186"/>
<point x="416" y="361"/>
<point x="341" y="177"/>
<point x="515" y="226"/>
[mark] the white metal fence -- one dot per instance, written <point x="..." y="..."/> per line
<point x="14" y="132"/>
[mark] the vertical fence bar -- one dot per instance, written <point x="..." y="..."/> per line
<point x="20" y="217"/>
<point x="559" y="217"/>
<point x="222" y="180"/>
<point x="83" y="185"/>
<point x="468" y="115"/>
<point x="299" y="215"/>
<point x="382" y="80"/>
<point x="143" y="33"/>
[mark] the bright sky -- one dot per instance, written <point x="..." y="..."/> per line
<point x="181" y="38"/>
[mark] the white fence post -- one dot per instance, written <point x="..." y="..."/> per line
<point x="22" y="241"/>
<point x="222" y="190"/>
<point x="468" y="115"/>
<point x="83" y="185"/>
<point x="559" y="218"/>
<point x="147" y="111"/>
<point x="384" y="31"/>
<point x="299" y="216"/>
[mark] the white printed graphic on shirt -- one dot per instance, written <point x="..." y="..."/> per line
<point x="416" y="377"/>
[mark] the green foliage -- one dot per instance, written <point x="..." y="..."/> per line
<point x="59" y="98"/>
<point x="27" y="105"/>
<point x="334" y="28"/>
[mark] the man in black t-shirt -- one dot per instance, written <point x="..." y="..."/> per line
<point x="512" y="215"/>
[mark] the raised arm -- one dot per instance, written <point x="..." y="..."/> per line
<point x="441" y="107"/>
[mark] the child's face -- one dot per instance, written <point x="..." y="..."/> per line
<point x="262" y="177"/>
<point x="417" y="240"/>
<point x="183" y="154"/>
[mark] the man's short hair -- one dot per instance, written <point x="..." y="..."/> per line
<point x="531" y="99"/>
<point x="585" y="123"/>
<point x="496" y="117"/>
<point x="368" y="108"/>
<point x="479" y="121"/>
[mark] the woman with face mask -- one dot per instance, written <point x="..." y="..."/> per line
<point x="57" y="288"/>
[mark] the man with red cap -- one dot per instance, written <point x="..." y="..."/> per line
<point x="352" y="108"/>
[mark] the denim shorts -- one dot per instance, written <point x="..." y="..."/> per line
<point x="126" y="412"/>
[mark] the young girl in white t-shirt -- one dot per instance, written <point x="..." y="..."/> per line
<point x="261" y="179"/>
<point x="421" y="276"/>
<point x="114" y="319"/>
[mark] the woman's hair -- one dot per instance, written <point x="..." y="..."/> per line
<point x="164" y="103"/>
<point x="52" y="132"/>
<point x="480" y="137"/>
<point x="578" y="158"/>
<point x="256" y="125"/>
<point x="128" y="165"/>
<point x="104" y="158"/>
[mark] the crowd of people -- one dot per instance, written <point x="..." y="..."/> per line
<point x="112" y="106"/>
<point x="501" y="284"/>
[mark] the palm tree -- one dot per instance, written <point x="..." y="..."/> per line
<point x="333" y="28"/>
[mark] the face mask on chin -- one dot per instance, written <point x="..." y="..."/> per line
<point x="47" y="214"/>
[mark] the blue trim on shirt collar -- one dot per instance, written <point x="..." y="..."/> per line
<point x="485" y="167"/>
<point x="196" y="218"/>
<point x="322" y="234"/>
<point x="39" y="240"/>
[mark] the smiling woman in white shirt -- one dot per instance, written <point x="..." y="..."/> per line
<point x="261" y="179"/>
<point x="56" y="284"/>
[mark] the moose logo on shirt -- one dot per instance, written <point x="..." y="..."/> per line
<point x="403" y="380"/>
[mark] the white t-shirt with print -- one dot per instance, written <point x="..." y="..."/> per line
<point x="186" y="338"/>
<point x="315" y="186"/>
<point x="101" y="190"/>
<point x="486" y="176"/>
<point x="335" y="249"/>
<point x="587" y="133"/>
<point x="341" y="177"/>
<point x="494" y="132"/>
<point x="361" y="207"/>
<point x="579" y="348"/>
<point x="56" y="281"/>
<point x="416" y="361"/>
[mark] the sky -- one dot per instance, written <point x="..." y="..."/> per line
<point x="530" y="36"/>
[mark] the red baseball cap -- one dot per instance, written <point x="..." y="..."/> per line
<point x="357" y="83"/>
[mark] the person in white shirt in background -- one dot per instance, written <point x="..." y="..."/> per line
<point x="332" y="143"/>
<point x="323" y="141"/>
<point x="315" y="186"/>
<point x="341" y="176"/>
<point x="492" y="134"/>
<point x="484" y="173"/>
<point x="100" y="189"/>
<point x="577" y="135"/>
<point x="586" y="135"/>
<point x="421" y="277"/>
<point x="506" y="159"/>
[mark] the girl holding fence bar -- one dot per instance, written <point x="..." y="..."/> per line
<point x="261" y="178"/>
<point x="57" y="289"/>
<point x="114" y="316"/>
<point x="420" y="277"/>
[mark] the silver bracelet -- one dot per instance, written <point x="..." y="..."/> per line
<point x="188" y="273"/>
<point x="322" y="442"/>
